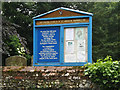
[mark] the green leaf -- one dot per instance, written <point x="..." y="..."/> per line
<point x="116" y="81"/>
<point x="104" y="74"/>
<point x="105" y="81"/>
<point x="86" y="73"/>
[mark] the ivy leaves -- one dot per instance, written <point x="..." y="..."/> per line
<point x="105" y="73"/>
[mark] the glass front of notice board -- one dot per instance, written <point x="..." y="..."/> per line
<point x="75" y="44"/>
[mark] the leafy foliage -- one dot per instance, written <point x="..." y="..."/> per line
<point x="13" y="44"/>
<point x="15" y="48"/>
<point x="105" y="72"/>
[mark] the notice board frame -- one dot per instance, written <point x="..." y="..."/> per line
<point x="62" y="26"/>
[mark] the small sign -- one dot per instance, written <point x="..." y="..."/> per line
<point x="62" y="21"/>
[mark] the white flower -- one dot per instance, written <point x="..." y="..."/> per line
<point x="17" y="48"/>
<point x="22" y="49"/>
<point x="19" y="52"/>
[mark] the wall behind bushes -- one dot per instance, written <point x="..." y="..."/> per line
<point x="27" y="78"/>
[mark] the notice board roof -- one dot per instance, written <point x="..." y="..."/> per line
<point x="62" y="12"/>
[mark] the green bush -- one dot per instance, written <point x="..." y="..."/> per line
<point x="105" y="73"/>
<point x="13" y="43"/>
<point x="15" y="48"/>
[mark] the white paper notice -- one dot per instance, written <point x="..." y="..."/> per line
<point x="79" y="33"/>
<point x="69" y="34"/>
<point x="81" y="56"/>
<point x="69" y="47"/>
<point x="70" y="58"/>
<point x="81" y="45"/>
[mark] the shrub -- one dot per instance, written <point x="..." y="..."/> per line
<point x="15" y="48"/>
<point x="13" y="43"/>
<point x="105" y="73"/>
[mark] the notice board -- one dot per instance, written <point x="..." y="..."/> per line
<point x="62" y="37"/>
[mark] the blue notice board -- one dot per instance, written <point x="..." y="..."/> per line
<point x="62" y="37"/>
<point x="48" y="44"/>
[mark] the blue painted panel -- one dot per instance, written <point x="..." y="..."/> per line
<point x="59" y="64"/>
<point x="48" y="44"/>
<point x="55" y="18"/>
<point x="34" y="44"/>
<point x="90" y="40"/>
<point x="61" y="44"/>
<point x="70" y="24"/>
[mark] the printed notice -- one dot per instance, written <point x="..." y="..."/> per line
<point x="69" y="47"/>
<point x="48" y="37"/>
<point x="48" y="44"/>
<point x="81" y="56"/>
<point x="79" y="34"/>
<point x="70" y="58"/>
<point x="80" y="45"/>
<point x="69" y="34"/>
<point x="48" y="52"/>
